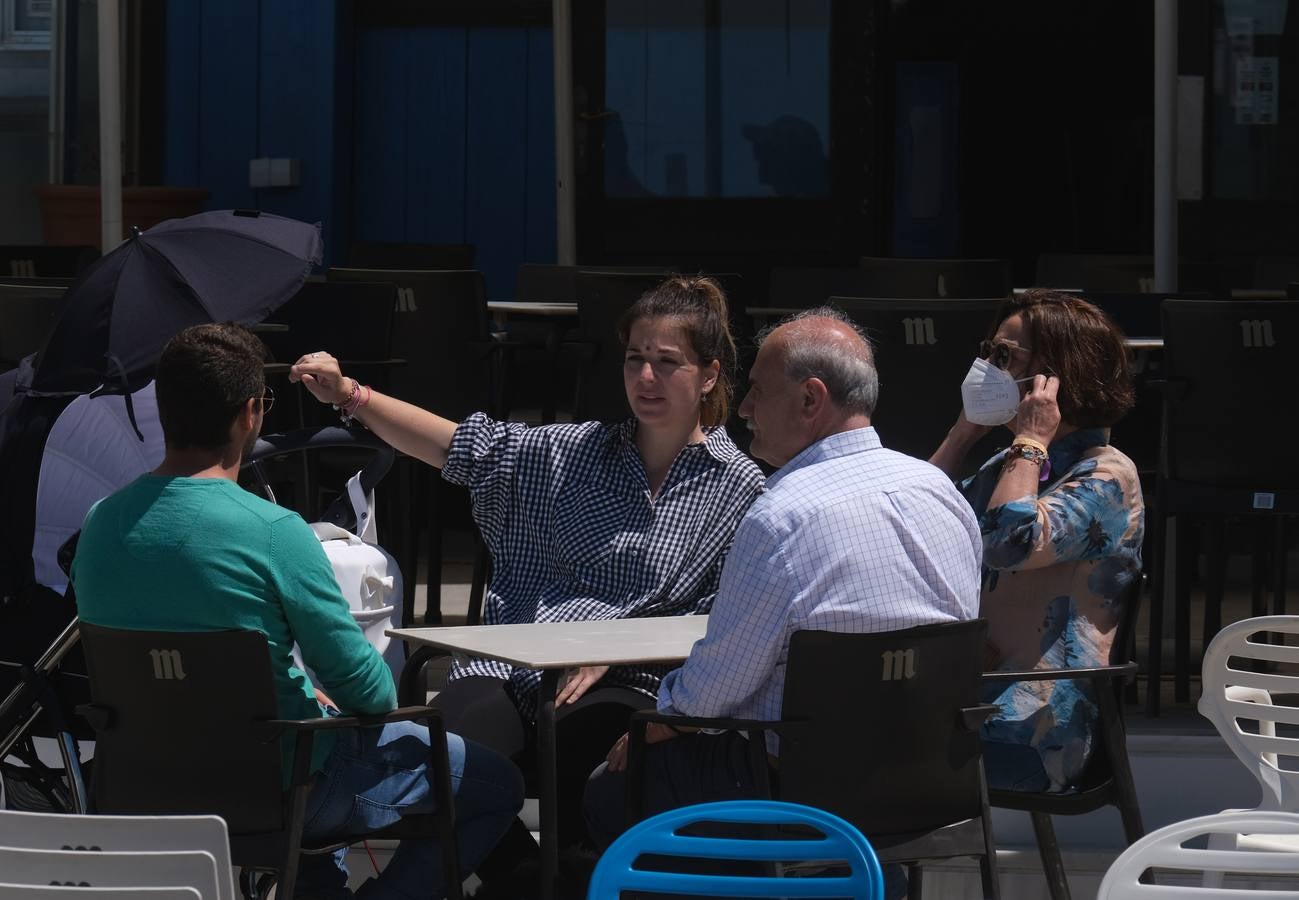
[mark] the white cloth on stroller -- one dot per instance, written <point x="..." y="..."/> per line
<point x="368" y="576"/>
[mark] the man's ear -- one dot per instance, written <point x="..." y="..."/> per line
<point x="813" y="397"/>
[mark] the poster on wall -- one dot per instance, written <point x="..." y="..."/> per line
<point x="1255" y="90"/>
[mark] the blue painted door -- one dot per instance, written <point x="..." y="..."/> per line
<point x="454" y="143"/>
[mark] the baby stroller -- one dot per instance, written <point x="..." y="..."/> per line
<point x="43" y="692"/>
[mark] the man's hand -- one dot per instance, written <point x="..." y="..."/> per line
<point x="655" y="733"/>
<point x="577" y="682"/>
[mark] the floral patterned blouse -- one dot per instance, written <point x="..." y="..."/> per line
<point x="1055" y="570"/>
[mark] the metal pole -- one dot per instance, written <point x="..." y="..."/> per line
<point x="110" y="125"/>
<point x="55" y="130"/>
<point x="565" y="200"/>
<point x="1165" y="249"/>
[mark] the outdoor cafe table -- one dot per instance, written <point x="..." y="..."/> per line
<point x="558" y="315"/>
<point x="554" y="647"/>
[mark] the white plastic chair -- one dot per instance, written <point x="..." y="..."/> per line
<point x="1235" y="694"/>
<point x="1164" y="849"/>
<point x="172" y="868"/>
<point x="51" y="892"/>
<point x="122" y="834"/>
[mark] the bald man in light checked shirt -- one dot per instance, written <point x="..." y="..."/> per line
<point x="848" y="537"/>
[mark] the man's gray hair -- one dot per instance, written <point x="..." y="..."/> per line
<point x="846" y="368"/>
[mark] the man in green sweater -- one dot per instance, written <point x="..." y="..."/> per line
<point x="185" y="548"/>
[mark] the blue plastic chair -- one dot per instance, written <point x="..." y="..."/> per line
<point x="659" y="835"/>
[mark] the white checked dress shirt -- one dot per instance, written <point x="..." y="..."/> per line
<point x="848" y="537"/>
<point x="574" y="534"/>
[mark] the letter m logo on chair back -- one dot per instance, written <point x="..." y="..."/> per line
<point x="1256" y="332"/>
<point x="898" y="664"/>
<point x="919" y="330"/>
<point x="167" y="665"/>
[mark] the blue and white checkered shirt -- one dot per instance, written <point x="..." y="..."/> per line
<point x="574" y="535"/>
<point x="848" y="537"/>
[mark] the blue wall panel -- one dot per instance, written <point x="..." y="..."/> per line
<point x="435" y="146"/>
<point x="296" y="107"/>
<point x="379" y="159"/>
<point x="539" y="216"/>
<point x="227" y="101"/>
<point x="497" y="66"/>
<point x="181" y="124"/>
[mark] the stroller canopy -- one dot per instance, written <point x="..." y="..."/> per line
<point x="91" y="452"/>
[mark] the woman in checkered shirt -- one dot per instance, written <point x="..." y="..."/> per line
<point x="587" y="521"/>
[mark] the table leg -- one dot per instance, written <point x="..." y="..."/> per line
<point x="549" y="781"/>
<point x="552" y="376"/>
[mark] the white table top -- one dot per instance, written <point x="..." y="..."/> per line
<point x="564" y="645"/>
<point x="533" y="307"/>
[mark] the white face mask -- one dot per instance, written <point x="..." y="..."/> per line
<point x="990" y="395"/>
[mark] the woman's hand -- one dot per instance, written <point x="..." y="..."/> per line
<point x="578" y="682"/>
<point x="1038" y="417"/>
<point x="320" y="373"/>
<point x="655" y="732"/>
<point x="951" y="453"/>
<point x="966" y="432"/>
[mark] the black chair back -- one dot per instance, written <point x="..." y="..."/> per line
<point x="545" y="281"/>
<point x="41" y="261"/>
<point x="881" y="737"/>
<point x="27" y="317"/>
<point x="380" y="255"/>
<point x="937" y="278"/>
<point x="1226" y="363"/>
<point x="353" y="321"/>
<point x="923" y="349"/>
<point x="800" y="287"/>
<point x="1275" y="272"/>
<point x="1101" y="272"/>
<point x="1137" y="315"/>
<point x="602" y="299"/>
<point x="441" y="329"/>
<point x="183" y="716"/>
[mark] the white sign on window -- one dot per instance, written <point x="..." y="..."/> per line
<point x="1256" y="86"/>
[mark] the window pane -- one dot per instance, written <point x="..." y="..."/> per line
<point x="717" y="98"/>
<point x="32" y="15"/>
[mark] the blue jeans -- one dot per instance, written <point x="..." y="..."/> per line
<point x="373" y="777"/>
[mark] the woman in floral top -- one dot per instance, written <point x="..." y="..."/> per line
<point x="1062" y="530"/>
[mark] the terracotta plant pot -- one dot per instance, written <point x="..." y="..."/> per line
<point x="70" y="212"/>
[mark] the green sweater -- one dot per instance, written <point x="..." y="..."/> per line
<point x="203" y="554"/>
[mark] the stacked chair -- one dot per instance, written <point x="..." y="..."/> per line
<point x="1251" y="681"/>
<point x="154" y="857"/>
<point x="1177" y="849"/>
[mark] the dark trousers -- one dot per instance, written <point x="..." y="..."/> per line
<point x="479" y="708"/>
